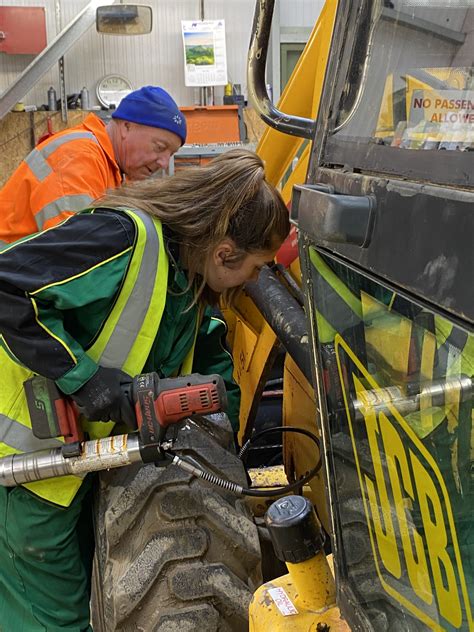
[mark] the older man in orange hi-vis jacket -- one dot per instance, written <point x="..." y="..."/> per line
<point x="69" y="170"/>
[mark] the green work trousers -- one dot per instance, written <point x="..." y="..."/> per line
<point x="45" y="562"/>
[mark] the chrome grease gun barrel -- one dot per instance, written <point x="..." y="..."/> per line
<point x="100" y="454"/>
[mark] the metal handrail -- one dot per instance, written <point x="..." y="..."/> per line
<point x="257" y="90"/>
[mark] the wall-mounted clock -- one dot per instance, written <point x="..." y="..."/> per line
<point x="111" y="89"/>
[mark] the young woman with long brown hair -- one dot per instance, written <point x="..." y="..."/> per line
<point x="114" y="291"/>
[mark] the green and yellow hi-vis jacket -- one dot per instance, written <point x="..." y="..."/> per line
<point x="100" y="289"/>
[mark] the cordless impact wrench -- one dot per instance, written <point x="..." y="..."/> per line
<point x="158" y="404"/>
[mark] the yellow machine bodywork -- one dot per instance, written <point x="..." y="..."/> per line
<point x="304" y="599"/>
<point x="253" y="343"/>
<point x="394" y="342"/>
<point x="309" y="586"/>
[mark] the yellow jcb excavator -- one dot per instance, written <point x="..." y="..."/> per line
<point x="374" y="310"/>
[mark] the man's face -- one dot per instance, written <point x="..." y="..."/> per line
<point x="144" y="149"/>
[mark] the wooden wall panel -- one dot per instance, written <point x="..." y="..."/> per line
<point x="20" y="130"/>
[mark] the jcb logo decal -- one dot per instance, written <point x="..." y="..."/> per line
<point x="408" y="511"/>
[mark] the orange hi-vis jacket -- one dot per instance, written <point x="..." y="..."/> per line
<point x="61" y="176"/>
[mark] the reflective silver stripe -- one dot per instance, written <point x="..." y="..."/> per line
<point x="19" y="437"/>
<point x="36" y="159"/>
<point x="57" y="142"/>
<point x="133" y="314"/>
<point x="65" y="203"/>
<point x="38" y="165"/>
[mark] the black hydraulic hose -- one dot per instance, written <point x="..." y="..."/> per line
<point x="286" y="488"/>
<point x="256" y="85"/>
<point x="196" y="469"/>
<point x="284" y="315"/>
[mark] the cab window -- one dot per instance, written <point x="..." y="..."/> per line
<point x="408" y="84"/>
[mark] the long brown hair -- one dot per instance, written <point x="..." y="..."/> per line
<point x="228" y="197"/>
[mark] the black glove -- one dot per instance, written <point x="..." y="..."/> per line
<point x="107" y="396"/>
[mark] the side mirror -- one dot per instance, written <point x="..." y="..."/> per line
<point x="124" y="19"/>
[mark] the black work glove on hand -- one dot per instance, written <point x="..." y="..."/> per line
<point x="107" y="396"/>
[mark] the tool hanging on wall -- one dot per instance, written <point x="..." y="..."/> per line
<point x="49" y="133"/>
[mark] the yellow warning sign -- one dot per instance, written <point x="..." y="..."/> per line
<point x="447" y="115"/>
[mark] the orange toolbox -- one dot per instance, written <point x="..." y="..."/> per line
<point x="212" y="124"/>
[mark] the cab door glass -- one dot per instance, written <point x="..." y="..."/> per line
<point x="398" y="384"/>
<point x="411" y="85"/>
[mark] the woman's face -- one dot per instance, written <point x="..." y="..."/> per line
<point x="223" y="274"/>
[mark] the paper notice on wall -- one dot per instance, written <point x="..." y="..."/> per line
<point x="205" y="61"/>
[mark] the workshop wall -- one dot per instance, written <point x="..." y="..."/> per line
<point x="156" y="58"/>
<point x="302" y="13"/>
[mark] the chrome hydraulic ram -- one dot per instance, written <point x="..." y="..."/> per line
<point x="435" y="393"/>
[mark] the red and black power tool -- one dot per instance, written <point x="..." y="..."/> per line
<point x="159" y="403"/>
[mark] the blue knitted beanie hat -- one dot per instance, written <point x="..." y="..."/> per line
<point x="152" y="106"/>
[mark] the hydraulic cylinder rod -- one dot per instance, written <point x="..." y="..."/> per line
<point x="436" y="393"/>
